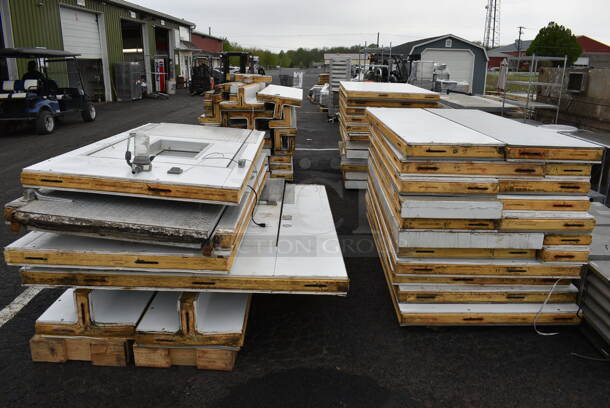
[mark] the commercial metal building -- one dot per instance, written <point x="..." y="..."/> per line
<point x="103" y="32"/>
<point x="466" y="61"/>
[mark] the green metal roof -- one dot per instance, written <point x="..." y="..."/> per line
<point x="134" y="6"/>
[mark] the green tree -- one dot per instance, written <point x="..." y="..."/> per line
<point x="555" y="40"/>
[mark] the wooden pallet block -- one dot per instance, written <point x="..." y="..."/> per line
<point x="203" y="358"/>
<point x="99" y="351"/>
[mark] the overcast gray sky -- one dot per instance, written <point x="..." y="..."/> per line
<point x="287" y="24"/>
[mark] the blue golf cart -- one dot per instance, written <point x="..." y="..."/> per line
<point x="51" y="88"/>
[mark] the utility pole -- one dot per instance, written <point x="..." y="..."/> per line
<point x="521" y="28"/>
<point x="378" y="39"/>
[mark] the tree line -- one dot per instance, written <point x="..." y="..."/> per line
<point x="299" y="58"/>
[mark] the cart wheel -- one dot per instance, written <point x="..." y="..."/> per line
<point x="45" y="123"/>
<point x="88" y="113"/>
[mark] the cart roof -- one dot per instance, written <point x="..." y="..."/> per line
<point x="34" y="53"/>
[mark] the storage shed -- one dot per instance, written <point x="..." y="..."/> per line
<point x="466" y="61"/>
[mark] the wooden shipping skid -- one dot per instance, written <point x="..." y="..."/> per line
<point x="162" y="222"/>
<point x="315" y="267"/>
<point x="210" y="170"/>
<point x="89" y="325"/>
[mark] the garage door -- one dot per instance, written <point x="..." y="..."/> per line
<point x="459" y="62"/>
<point x="81" y="33"/>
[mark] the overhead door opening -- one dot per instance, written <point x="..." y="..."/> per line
<point x="161" y="63"/>
<point x="459" y="62"/>
<point x="133" y="43"/>
<point x="81" y="35"/>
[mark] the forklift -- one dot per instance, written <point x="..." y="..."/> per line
<point x="204" y="76"/>
<point x="248" y="64"/>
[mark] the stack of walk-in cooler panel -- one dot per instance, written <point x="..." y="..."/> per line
<point x="478" y="219"/>
<point x="354" y="98"/>
<point x="595" y="303"/>
<point x="249" y="102"/>
<point x="595" y="284"/>
<point x="161" y="264"/>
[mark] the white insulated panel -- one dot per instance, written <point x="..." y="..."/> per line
<point x="421" y="127"/>
<point x="450" y="207"/>
<point x="507" y="308"/>
<point x="52" y="242"/>
<point x="469" y="239"/>
<point x="430" y="287"/>
<point x="62" y="311"/>
<point x="217" y="313"/>
<point x="510" y="132"/>
<point x="118" y="307"/>
<point x="162" y="316"/>
<point x="385" y="87"/>
<point x="286" y="92"/>
<point x="214" y="163"/>
<point x="355" y="184"/>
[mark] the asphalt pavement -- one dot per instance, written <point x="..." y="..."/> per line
<point x="300" y="351"/>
